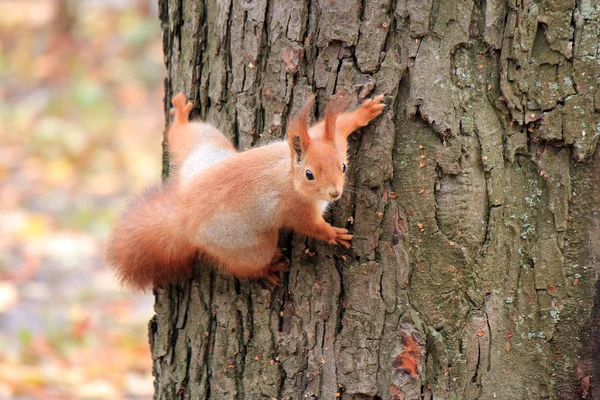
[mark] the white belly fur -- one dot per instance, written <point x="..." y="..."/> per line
<point x="234" y="230"/>
<point x="228" y="230"/>
<point x="202" y="157"/>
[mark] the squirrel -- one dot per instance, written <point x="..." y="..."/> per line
<point x="229" y="206"/>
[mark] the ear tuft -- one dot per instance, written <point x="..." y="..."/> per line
<point x="298" y="130"/>
<point x="335" y="106"/>
<point x="296" y="148"/>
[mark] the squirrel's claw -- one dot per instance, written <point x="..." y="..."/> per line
<point x="270" y="274"/>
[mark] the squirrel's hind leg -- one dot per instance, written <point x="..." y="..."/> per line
<point x="261" y="261"/>
<point x="269" y="272"/>
<point x="181" y="140"/>
<point x="195" y="145"/>
<point x="278" y="263"/>
<point x="182" y="109"/>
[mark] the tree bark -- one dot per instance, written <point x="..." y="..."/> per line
<point x="473" y="200"/>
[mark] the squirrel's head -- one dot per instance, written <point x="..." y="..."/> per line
<point x="319" y="158"/>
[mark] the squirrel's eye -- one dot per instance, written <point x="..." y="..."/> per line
<point x="309" y="175"/>
<point x="344" y="168"/>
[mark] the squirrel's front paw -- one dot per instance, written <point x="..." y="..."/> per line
<point x="370" y="109"/>
<point x="339" y="236"/>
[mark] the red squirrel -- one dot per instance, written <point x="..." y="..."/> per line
<point x="229" y="206"/>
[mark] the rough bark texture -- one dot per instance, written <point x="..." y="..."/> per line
<point x="473" y="200"/>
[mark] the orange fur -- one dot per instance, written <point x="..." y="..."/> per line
<point x="179" y="142"/>
<point x="147" y="247"/>
<point x="333" y="109"/>
<point x="230" y="206"/>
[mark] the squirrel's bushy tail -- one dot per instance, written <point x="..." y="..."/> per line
<point x="148" y="247"/>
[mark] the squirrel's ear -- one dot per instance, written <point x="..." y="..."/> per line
<point x="298" y="131"/>
<point x="335" y="106"/>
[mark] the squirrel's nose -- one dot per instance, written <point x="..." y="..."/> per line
<point x="335" y="194"/>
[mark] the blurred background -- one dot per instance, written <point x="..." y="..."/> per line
<point x="81" y="88"/>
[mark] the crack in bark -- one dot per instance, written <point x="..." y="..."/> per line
<point x="210" y="339"/>
<point x="489" y="355"/>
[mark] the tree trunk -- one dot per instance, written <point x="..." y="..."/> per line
<point x="473" y="200"/>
